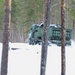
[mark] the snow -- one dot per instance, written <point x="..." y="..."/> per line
<point x="25" y="59"/>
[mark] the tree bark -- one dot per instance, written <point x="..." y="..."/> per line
<point x="4" y="63"/>
<point x="73" y="31"/>
<point x="45" y="37"/>
<point x="63" y="31"/>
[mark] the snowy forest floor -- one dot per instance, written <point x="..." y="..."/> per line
<point x="26" y="59"/>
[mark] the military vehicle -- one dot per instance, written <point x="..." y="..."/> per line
<point x="54" y="34"/>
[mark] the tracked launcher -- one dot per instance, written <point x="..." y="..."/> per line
<point x="54" y="34"/>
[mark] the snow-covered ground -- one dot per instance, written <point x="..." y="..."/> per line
<point x="26" y="59"/>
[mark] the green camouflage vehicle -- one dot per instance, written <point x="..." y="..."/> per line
<point x="54" y="34"/>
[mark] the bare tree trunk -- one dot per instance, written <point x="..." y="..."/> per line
<point x="73" y="31"/>
<point x="63" y="31"/>
<point x="4" y="63"/>
<point x="45" y="37"/>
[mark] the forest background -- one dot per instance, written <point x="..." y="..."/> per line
<point x="24" y="13"/>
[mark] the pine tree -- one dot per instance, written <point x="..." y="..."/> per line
<point x="63" y="31"/>
<point x="4" y="62"/>
<point x="45" y="37"/>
